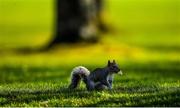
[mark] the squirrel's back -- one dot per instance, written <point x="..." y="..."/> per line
<point x="98" y="74"/>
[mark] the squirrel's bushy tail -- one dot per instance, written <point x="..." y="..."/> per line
<point x="77" y="74"/>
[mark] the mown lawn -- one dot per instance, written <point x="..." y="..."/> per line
<point x="145" y="42"/>
<point x="141" y="85"/>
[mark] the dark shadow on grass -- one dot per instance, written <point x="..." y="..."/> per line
<point x="166" y="99"/>
<point x="42" y="49"/>
<point x="30" y="96"/>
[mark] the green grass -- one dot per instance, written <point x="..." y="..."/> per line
<point x="141" y="85"/>
<point x="145" y="42"/>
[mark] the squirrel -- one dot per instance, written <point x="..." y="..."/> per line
<point x="99" y="79"/>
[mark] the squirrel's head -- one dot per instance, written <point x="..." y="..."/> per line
<point x="113" y="67"/>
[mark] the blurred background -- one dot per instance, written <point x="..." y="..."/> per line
<point x="42" y="40"/>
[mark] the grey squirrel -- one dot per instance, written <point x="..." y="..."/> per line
<point x="99" y="79"/>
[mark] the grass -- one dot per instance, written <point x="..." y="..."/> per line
<point x="130" y="90"/>
<point x="145" y="43"/>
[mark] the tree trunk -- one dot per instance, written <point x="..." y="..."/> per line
<point x="72" y="21"/>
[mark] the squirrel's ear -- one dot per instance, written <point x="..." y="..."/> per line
<point x="114" y="61"/>
<point x="109" y="62"/>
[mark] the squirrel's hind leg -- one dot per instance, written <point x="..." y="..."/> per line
<point x="100" y="86"/>
<point x="89" y="84"/>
